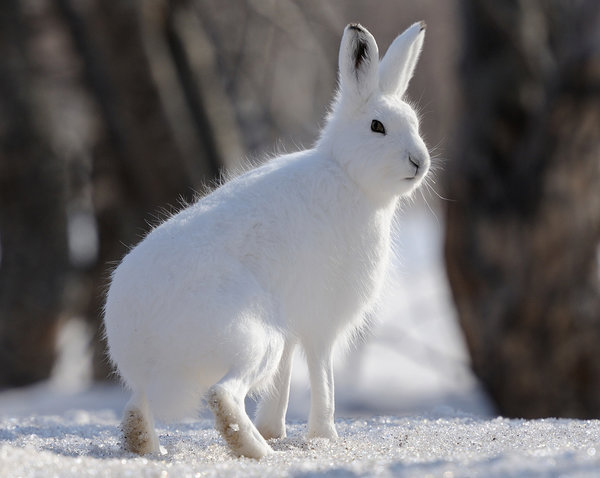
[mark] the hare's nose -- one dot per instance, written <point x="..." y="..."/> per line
<point x="415" y="162"/>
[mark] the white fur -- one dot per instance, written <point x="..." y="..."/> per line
<point x="213" y="301"/>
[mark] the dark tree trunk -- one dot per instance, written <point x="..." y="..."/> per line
<point x="524" y="230"/>
<point x="152" y="155"/>
<point x="33" y="237"/>
<point x="111" y="113"/>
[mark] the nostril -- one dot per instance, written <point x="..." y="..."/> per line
<point x="413" y="162"/>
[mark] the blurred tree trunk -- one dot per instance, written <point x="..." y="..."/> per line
<point x="34" y="259"/>
<point x="113" y="111"/>
<point x="523" y="234"/>
<point x="157" y="146"/>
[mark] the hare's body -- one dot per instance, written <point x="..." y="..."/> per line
<point x="263" y="259"/>
<point x="213" y="301"/>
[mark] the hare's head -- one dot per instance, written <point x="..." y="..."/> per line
<point x="372" y="131"/>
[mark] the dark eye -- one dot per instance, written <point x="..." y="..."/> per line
<point x="377" y="127"/>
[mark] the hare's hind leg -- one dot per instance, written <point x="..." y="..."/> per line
<point x="270" y="415"/>
<point x="233" y="423"/>
<point x="139" y="435"/>
<point x="259" y="351"/>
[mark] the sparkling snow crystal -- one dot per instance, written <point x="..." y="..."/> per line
<point x="87" y="444"/>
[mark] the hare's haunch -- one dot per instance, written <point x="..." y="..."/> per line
<point x="212" y="303"/>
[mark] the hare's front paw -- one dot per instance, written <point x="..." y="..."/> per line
<point x="322" y="430"/>
<point x="270" y="429"/>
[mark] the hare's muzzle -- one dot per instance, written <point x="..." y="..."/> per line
<point x="415" y="163"/>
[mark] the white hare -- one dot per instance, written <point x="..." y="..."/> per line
<point x="212" y="303"/>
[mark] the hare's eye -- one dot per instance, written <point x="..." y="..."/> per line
<point x="377" y="127"/>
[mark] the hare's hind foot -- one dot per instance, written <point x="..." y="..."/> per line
<point x="234" y="425"/>
<point x="138" y="428"/>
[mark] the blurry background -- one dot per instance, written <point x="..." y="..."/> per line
<point x="112" y="113"/>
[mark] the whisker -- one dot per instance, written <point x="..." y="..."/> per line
<point x="432" y="189"/>
<point x="437" y="146"/>
<point x="437" y="220"/>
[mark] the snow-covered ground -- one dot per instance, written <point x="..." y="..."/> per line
<point x="407" y="405"/>
<point x="81" y="443"/>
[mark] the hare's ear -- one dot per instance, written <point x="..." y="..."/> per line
<point x="358" y="63"/>
<point x="398" y="65"/>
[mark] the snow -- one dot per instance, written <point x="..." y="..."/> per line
<point x="81" y="443"/>
<point x="407" y="405"/>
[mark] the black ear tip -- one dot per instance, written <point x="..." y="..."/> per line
<point x="355" y="26"/>
<point x="423" y="25"/>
